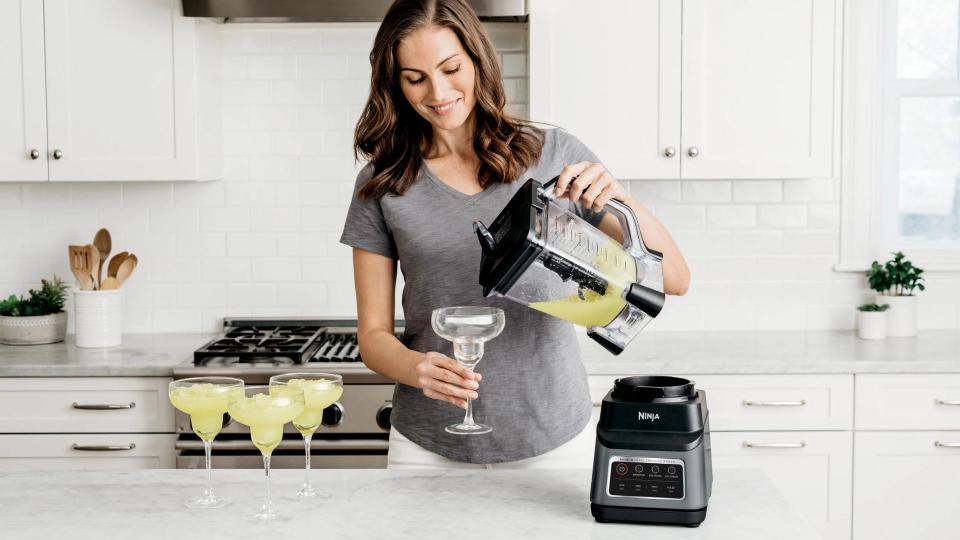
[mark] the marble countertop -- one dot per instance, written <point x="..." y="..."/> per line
<point x="740" y="352"/>
<point x="369" y="504"/>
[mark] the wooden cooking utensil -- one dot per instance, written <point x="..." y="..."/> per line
<point x="126" y="268"/>
<point x="110" y="283"/>
<point x="103" y="243"/>
<point x="93" y="263"/>
<point x="115" y="262"/>
<point x="78" y="265"/>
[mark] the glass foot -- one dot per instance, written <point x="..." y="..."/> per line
<point x="270" y="517"/>
<point x="307" y="493"/>
<point x="207" y="501"/>
<point x="468" y="429"/>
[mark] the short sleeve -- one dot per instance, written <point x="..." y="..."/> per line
<point x="572" y="150"/>
<point x="365" y="226"/>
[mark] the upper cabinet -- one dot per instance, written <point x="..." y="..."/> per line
<point x="106" y="90"/>
<point x="693" y="89"/>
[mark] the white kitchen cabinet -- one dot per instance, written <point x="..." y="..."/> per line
<point x="908" y="402"/>
<point x="87" y="451"/>
<point x="691" y="89"/>
<point x="812" y="470"/>
<point x="130" y="92"/>
<point x="610" y="75"/>
<point x="905" y="485"/>
<point x="86" y="423"/>
<point x="23" y="128"/>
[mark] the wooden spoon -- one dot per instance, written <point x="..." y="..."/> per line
<point x="126" y="268"/>
<point x="93" y="263"/>
<point x="110" y="283"/>
<point x="115" y="263"/>
<point x="103" y="244"/>
<point x="78" y="265"/>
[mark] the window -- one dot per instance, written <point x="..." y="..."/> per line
<point x="921" y="131"/>
<point x="901" y="143"/>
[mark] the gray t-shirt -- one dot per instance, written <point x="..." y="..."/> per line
<point x="534" y="390"/>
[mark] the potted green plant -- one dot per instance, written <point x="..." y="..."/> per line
<point x="37" y="319"/>
<point x="872" y="321"/>
<point x="895" y="281"/>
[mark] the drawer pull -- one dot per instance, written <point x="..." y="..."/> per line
<point x="800" y="444"/>
<point x="103" y="447"/>
<point x="799" y="403"/>
<point x="947" y="401"/>
<point x="597" y="403"/>
<point x="103" y="406"/>
<point x="939" y="444"/>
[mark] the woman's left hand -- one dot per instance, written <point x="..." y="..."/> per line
<point x="590" y="184"/>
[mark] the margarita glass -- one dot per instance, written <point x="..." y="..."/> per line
<point x="468" y="327"/>
<point x="205" y="399"/>
<point x="265" y="409"/>
<point x="320" y="390"/>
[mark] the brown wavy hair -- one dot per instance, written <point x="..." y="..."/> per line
<point x="391" y="134"/>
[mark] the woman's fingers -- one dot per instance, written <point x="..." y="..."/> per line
<point x="568" y="174"/>
<point x="443" y="378"/>
<point x="442" y="397"/>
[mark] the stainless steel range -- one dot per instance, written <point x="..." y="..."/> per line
<point x="355" y="429"/>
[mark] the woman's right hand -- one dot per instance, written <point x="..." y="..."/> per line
<point x="443" y="378"/>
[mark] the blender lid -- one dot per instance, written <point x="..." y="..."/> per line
<point x="510" y="243"/>
<point x="648" y="388"/>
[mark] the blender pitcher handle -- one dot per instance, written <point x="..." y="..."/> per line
<point x="633" y="240"/>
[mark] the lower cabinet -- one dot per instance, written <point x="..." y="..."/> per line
<point x="906" y="484"/>
<point x="812" y="470"/>
<point x="87" y="451"/>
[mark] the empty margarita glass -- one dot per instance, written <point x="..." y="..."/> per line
<point x="468" y="327"/>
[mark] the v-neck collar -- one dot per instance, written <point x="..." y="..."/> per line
<point x="457" y="194"/>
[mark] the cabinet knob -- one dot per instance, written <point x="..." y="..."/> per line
<point x="693" y="151"/>
<point x="669" y="151"/>
<point x="57" y="154"/>
<point x="34" y="154"/>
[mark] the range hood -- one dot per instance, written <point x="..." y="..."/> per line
<point x="245" y="11"/>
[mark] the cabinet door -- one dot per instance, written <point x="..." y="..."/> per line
<point x="120" y="90"/>
<point x="23" y="116"/>
<point x="811" y="469"/>
<point x="87" y="451"/>
<point x="610" y="75"/>
<point x="906" y="485"/>
<point x="758" y="88"/>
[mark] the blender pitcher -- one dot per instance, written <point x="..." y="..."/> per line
<point x="540" y="253"/>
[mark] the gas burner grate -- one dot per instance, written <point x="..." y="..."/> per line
<point x="261" y="344"/>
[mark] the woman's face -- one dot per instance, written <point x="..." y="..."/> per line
<point x="437" y="76"/>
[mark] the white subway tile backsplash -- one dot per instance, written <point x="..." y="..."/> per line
<point x="323" y="66"/>
<point x="757" y="191"/>
<point x="265" y="240"/>
<point x="714" y="191"/>
<point x="732" y="216"/>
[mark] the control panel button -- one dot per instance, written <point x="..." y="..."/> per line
<point x="655" y="469"/>
<point x="671" y="470"/>
<point x="621" y="468"/>
<point x="638" y="468"/>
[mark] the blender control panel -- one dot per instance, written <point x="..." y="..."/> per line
<point x="654" y="478"/>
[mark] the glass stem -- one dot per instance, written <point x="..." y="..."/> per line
<point x="306" y="473"/>
<point x="468" y="417"/>
<point x="208" y="492"/>
<point x="267" y="503"/>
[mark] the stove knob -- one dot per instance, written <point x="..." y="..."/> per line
<point x="333" y="415"/>
<point x="383" y="417"/>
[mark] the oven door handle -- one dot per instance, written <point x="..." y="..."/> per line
<point x="288" y="444"/>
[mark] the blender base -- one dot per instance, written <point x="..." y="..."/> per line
<point x="625" y="514"/>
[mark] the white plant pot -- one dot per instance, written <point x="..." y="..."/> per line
<point x="98" y="318"/>
<point x="872" y="324"/>
<point x="33" y="330"/>
<point x="902" y="315"/>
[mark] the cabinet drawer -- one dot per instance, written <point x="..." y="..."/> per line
<point x="812" y="469"/>
<point x="908" y="401"/>
<point x="87" y="451"/>
<point x="906" y="485"/>
<point x="767" y="402"/>
<point x="85" y="405"/>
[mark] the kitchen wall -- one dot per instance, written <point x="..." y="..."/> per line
<point x="264" y="241"/>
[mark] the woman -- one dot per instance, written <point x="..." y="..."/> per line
<point x="443" y="154"/>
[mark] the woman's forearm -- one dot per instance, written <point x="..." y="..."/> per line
<point x="676" y="273"/>
<point x="383" y="353"/>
